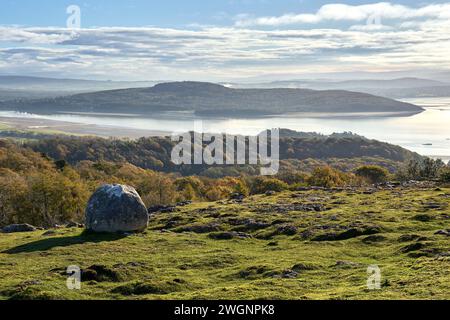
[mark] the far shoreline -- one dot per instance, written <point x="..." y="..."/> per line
<point x="55" y="127"/>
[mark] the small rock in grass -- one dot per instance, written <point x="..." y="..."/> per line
<point x="287" y="230"/>
<point x="346" y="264"/>
<point x="347" y="234"/>
<point x="100" y="273"/>
<point x="200" y="228"/>
<point x="373" y="239"/>
<point x="19" y="228"/>
<point x="428" y="252"/>
<point x="143" y="288"/>
<point x="286" y="274"/>
<point x="49" y="233"/>
<point x="30" y="283"/>
<point x="423" y="218"/>
<point x="434" y="205"/>
<point x="302" y="267"/>
<point x="72" y="224"/>
<point x="411" y="237"/>
<point x="248" y="224"/>
<point x="256" y="271"/>
<point x="183" y="203"/>
<point x="237" y="196"/>
<point x="443" y="232"/>
<point x="161" y="209"/>
<point x="413" y="247"/>
<point x="229" y="235"/>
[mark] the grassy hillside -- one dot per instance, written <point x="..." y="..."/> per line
<point x="267" y="247"/>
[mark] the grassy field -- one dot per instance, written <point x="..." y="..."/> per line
<point x="295" y="245"/>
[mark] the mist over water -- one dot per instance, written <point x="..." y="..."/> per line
<point x="427" y="133"/>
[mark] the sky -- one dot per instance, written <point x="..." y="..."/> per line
<point x="222" y="40"/>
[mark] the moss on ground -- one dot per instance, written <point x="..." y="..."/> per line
<point x="292" y="245"/>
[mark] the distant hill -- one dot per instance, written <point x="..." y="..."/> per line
<point x="14" y="94"/>
<point x="391" y="88"/>
<point x="394" y="83"/>
<point x="422" y="92"/>
<point x="54" y="84"/>
<point x="347" y="84"/>
<point x="210" y="99"/>
<point x="23" y="87"/>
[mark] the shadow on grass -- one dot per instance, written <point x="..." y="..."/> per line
<point x="47" y="244"/>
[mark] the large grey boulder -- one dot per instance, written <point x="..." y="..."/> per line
<point x="116" y="208"/>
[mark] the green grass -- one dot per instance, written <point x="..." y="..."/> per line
<point x="165" y="263"/>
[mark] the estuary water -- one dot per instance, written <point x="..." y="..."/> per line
<point x="427" y="133"/>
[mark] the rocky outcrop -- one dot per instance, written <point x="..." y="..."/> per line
<point x="116" y="208"/>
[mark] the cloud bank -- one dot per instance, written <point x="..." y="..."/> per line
<point x="413" y="39"/>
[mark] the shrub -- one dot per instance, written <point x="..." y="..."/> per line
<point x="242" y="188"/>
<point x="264" y="184"/>
<point x="423" y="170"/>
<point x="293" y="177"/>
<point x="444" y="174"/>
<point x="373" y="174"/>
<point x="326" y="177"/>
<point x="214" y="194"/>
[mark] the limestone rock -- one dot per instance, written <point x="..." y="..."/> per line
<point x="116" y="208"/>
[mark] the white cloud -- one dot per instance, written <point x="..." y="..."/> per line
<point x="370" y="27"/>
<point x="344" y="12"/>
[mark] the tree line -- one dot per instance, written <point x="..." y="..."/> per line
<point x="298" y="153"/>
